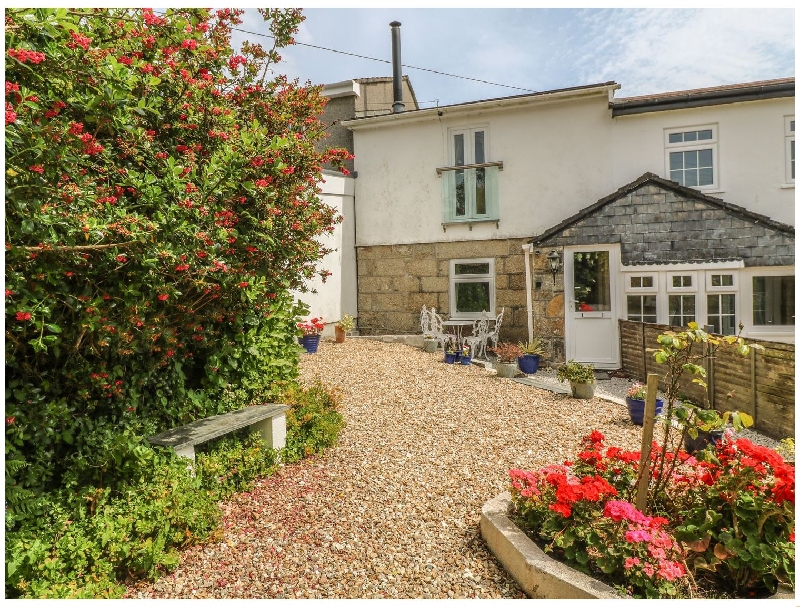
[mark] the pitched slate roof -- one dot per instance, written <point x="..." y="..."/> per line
<point x="652" y="178"/>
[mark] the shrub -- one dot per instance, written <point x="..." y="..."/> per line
<point x="574" y="371"/>
<point x="161" y="204"/>
<point x="313" y="422"/>
<point x="507" y="352"/>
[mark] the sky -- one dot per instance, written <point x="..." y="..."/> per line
<point x="646" y="51"/>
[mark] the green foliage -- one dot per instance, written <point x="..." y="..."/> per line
<point x="233" y="464"/>
<point x="86" y="542"/>
<point x="313" y="422"/>
<point x="576" y="372"/>
<point x="535" y="346"/>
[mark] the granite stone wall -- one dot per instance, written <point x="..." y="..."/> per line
<point x="395" y="281"/>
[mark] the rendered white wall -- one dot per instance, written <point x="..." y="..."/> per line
<point x="337" y="295"/>
<point x="557" y="159"/>
<point x="751" y="151"/>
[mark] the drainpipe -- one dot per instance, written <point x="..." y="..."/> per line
<point x="397" y="69"/>
<point x="529" y="297"/>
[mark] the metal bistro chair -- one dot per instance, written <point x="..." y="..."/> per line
<point x="437" y="329"/>
<point x="477" y="341"/>
<point x="494" y="334"/>
<point x="425" y="322"/>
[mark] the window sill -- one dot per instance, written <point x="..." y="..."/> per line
<point x="469" y="222"/>
<point x="787" y="186"/>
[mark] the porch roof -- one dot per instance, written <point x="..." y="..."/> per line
<point x="652" y="178"/>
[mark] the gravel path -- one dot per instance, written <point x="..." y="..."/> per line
<point x="393" y="510"/>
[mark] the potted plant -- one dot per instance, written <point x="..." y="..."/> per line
<point x="343" y="326"/>
<point x="507" y="355"/>
<point x="580" y="378"/>
<point x="451" y="355"/>
<point x="634" y="398"/>
<point x="532" y="351"/>
<point x="311" y="330"/>
<point x="466" y="354"/>
<point x="704" y="427"/>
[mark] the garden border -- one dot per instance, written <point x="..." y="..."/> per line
<point x="539" y="576"/>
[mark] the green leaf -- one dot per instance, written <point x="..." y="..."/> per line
<point x="53" y="328"/>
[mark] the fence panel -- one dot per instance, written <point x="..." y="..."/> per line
<point x="761" y="384"/>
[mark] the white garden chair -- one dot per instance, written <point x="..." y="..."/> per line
<point x="425" y="322"/>
<point x="480" y="332"/>
<point x="494" y="334"/>
<point x="437" y="329"/>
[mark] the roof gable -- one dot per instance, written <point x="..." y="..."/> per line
<point x="655" y="220"/>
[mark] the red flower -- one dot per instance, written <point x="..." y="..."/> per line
<point x="243" y="284"/>
<point x="563" y="509"/>
<point x="36" y="168"/>
<point x="23" y="55"/>
<point x="11" y="87"/>
<point x="9" y="292"/>
<point x="10" y="420"/>
<point x="181" y="267"/>
<point x="75" y="128"/>
<point x="81" y="40"/>
<point x="163" y="297"/>
<point x="23" y="316"/>
<point x="122" y="258"/>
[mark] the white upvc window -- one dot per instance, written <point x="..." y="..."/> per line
<point x="471" y="288"/>
<point x="682" y="298"/>
<point x="641" y="297"/>
<point x="638" y="283"/>
<point x="721" y="289"/>
<point x="690" y="156"/>
<point x="773" y="300"/>
<point x="788" y="131"/>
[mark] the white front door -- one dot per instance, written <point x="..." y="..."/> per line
<point x="591" y="302"/>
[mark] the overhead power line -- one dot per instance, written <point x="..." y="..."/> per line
<point x="411" y="67"/>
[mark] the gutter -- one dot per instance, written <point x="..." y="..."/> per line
<point x="720" y="97"/>
<point x="480" y="106"/>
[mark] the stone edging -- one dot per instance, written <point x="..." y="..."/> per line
<point x="539" y="576"/>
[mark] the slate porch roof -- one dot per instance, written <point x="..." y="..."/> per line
<point x="652" y="178"/>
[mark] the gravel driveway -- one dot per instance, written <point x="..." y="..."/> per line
<point x="393" y="510"/>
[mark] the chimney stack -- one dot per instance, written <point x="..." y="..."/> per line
<point x="397" y="69"/>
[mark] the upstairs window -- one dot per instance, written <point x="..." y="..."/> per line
<point x="469" y="184"/>
<point x="691" y="156"/>
<point x="788" y="131"/>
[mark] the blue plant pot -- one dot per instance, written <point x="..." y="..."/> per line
<point x="636" y="409"/>
<point x="528" y="363"/>
<point x="449" y="358"/>
<point x="310" y="343"/>
<point x="466" y="360"/>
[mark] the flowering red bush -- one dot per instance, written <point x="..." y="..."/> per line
<point x="140" y="242"/>
<point x="728" y="521"/>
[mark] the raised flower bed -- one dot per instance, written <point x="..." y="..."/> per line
<point x="723" y="528"/>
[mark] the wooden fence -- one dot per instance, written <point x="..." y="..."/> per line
<point x="761" y="384"/>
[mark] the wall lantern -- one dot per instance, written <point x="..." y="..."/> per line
<point x="555" y="263"/>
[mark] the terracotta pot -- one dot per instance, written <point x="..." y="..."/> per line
<point x="340" y="335"/>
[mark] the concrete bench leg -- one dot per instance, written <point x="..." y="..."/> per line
<point x="186" y="451"/>
<point x="273" y="431"/>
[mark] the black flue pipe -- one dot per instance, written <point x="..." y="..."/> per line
<point x="397" y="69"/>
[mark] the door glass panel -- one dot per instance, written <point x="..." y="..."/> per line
<point x="592" y="280"/>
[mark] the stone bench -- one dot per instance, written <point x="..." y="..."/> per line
<point x="270" y="420"/>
